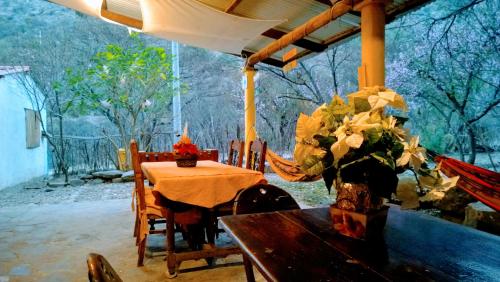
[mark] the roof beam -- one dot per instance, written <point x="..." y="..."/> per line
<point x="128" y="21"/>
<point x="269" y="61"/>
<point x="337" y="10"/>
<point x="303" y="43"/>
<point x="232" y="6"/>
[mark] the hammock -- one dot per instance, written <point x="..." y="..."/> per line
<point x="481" y="183"/>
<point x="288" y="170"/>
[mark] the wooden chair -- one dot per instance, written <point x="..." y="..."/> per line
<point x="261" y="198"/>
<point x="100" y="270"/>
<point x="256" y="157"/>
<point x="236" y="152"/>
<point x="152" y="203"/>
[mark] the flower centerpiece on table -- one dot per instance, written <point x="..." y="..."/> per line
<point x="360" y="149"/>
<point x="185" y="152"/>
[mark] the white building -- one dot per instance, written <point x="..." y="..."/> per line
<point x="23" y="150"/>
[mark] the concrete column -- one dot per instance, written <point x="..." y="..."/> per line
<point x="372" y="69"/>
<point x="250" y="111"/>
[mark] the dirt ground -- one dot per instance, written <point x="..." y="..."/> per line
<point x="38" y="193"/>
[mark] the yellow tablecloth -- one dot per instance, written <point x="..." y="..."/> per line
<point x="206" y="185"/>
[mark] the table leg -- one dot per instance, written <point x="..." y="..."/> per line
<point x="170" y="245"/>
<point x="248" y="268"/>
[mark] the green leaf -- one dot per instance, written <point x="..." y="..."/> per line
<point x="373" y="135"/>
<point x="313" y="165"/>
<point x="397" y="150"/>
<point x="384" y="159"/>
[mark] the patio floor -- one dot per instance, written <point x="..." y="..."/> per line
<point x="50" y="243"/>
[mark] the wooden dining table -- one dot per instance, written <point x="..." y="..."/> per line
<point x="301" y="245"/>
<point x="206" y="186"/>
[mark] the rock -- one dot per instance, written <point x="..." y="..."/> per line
<point x="76" y="182"/>
<point x="35" y="185"/>
<point x="454" y="201"/>
<point x="55" y="184"/>
<point x="482" y="217"/>
<point x="96" y="181"/>
<point x="108" y="174"/>
<point x="87" y="177"/>
<point x="117" y="180"/>
<point x="128" y="176"/>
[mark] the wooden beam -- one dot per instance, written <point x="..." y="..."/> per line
<point x="303" y="43"/>
<point x="232" y="6"/>
<point x="339" y="9"/>
<point x="268" y="61"/>
<point x="128" y="21"/>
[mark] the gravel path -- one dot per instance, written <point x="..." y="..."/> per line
<point x="37" y="192"/>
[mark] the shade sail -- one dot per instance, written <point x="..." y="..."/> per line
<point x="189" y="22"/>
<point x="194" y="23"/>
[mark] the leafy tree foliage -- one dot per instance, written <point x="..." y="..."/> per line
<point x="129" y="85"/>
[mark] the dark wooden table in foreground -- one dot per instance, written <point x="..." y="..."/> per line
<point x="300" y="245"/>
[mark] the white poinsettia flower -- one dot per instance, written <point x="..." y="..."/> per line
<point x="389" y="124"/>
<point x="350" y="134"/>
<point x="307" y="127"/>
<point x="413" y="154"/>
<point x="319" y="112"/>
<point x="387" y="97"/>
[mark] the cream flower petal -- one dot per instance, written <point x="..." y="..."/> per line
<point x="377" y="102"/>
<point x="318" y="113"/>
<point x="307" y="126"/>
<point x="415" y="162"/>
<point x="354" y="141"/>
<point x="403" y="160"/>
<point x="339" y="149"/>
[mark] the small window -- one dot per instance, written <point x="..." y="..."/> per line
<point x="33" y="132"/>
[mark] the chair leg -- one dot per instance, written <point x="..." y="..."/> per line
<point x="248" y="269"/>
<point x="136" y="226"/>
<point x="170" y="245"/>
<point x="141" y="251"/>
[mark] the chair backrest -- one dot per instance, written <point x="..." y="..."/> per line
<point x="236" y="152"/>
<point x="256" y="156"/>
<point x="100" y="270"/>
<point x="141" y="157"/>
<point x="263" y="198"/>
<point x="209" y="155"/>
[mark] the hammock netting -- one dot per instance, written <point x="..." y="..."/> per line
<point x="481" y="183"/>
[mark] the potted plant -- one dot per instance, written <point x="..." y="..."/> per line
<point x="360" y="149"/>
<point x="185" y="153"/>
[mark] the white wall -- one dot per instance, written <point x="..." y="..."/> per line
<point x="17" y="163"/>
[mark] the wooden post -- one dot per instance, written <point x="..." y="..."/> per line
<point x="249" y="107"/>
<point x="372" y="69"/>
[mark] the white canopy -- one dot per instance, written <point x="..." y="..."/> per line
<point x="185" y="21"/>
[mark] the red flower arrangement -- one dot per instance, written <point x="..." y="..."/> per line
<point x="184" y="149"/>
